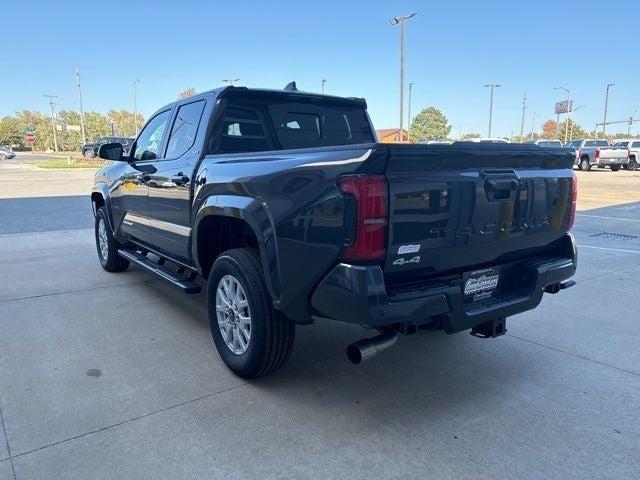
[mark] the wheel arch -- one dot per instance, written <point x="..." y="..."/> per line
<point x="100" y="198"/>
<point x="235" y="221"/>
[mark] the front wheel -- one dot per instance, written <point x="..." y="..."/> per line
<point x="632" y="165"/>
<point x="585" y="166"/>
<point x="89" y="153"/>
<point x="3" y="156"/>
<point x="107" y="245"/>
<point x="252" y="338"/>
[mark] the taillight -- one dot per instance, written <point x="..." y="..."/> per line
<point x="597" y="153"/>
<point x="572" y="203"/>
<point x="369" y="236"/>
<point x="628" y="153"/>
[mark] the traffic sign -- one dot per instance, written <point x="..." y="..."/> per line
<point x="30" y="137"/>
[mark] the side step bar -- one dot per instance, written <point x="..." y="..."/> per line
<point x="181" y="282"/>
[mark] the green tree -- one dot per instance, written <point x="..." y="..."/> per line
<point x="429" y="124"/>
<point x="468" y="136"/>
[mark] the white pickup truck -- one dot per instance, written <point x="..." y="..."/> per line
<point x="590" y="153"/>
<point x="632" y="146"/>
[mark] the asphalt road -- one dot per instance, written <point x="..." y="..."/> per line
<point x="115" y="375"/>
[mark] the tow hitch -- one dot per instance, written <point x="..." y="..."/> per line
<point x="556" y="287"/>
<point x="491" y="329"/>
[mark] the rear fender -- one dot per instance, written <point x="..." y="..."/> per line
<point x="257" y="216"/>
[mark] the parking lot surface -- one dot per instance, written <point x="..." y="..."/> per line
<point x="114" y="376"/>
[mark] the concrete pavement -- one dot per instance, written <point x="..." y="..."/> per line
<point x="115" y="376"/>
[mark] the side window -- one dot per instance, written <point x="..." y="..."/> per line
<point x="151" y="137"/>
<point x="242" y="131"/>
<point x="635" y="145"/>
<point x="185" y="127"/>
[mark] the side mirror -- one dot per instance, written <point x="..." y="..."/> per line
<point x="111" y="151"/>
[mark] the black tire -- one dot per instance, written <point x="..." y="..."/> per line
<point x="3" y="156"/>
<point x="89" y="153"/>
<point x="111" y="261"/>
<point x="633" y="166"/>
<point x="272" y="333"/>
<point x="615" y="168"/>
<point x="585" y="165"/>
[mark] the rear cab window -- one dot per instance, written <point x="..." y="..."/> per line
<point x="254" y="125"/>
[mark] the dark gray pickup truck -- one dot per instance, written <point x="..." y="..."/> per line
<point x="285" y="209"/>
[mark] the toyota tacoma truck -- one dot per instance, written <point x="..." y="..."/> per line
<point x="283" y="207"/>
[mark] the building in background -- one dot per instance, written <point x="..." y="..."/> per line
<point x="390" y="135"/>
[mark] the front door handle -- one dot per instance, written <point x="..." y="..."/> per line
<point x="180" y="179"/>
<point x="144" y="177"/>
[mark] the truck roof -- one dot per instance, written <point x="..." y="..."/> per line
<point x="230" y="90"/>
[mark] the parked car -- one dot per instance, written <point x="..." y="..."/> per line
<point x="587" y="154"/>
<point x="284" y="201"/>
<point x="90" y="150"/>
<point x="546" y="143"/>
<point x="487" y="140"/>
<point x="633" y="152"/>
<point x="6" y="152"/>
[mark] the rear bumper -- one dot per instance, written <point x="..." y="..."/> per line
<point x="357" y="294"/>
<point x="611" y="161"/>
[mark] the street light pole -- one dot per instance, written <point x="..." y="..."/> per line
<point x="492" y="86"/>
<point x="571" y="131"/>
<point x="566" y="127"/>
<point x="400" y="21"/>
<point x="135" y="106"/>
<point x="409" y="113"/>
<point x="84" y="139"/>
<point x="524" y="108"/>
<point x="324" y="80"/>
<point x="606" y="105"/>
<point x="53" y="119"/>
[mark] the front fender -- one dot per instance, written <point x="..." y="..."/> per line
<point x="256" y="215"/>
<point x="103" y="190"/>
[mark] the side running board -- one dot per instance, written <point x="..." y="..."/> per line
<point x="179" y="279"/>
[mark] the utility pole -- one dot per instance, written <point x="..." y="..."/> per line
<point x="524" y="108"/>
<point x="492" y="86"/>
<point x="400" y="21"/>
<point x="135" y="106"/>
<point x="53" y="119"/>
<point x="84" y="139"/>
<point x="606" y="105"/>
<point x="324" y="80"/>
<point x="533" y="124"/>
<point x="409" y="113"/>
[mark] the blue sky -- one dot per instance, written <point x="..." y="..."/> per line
<point x="452" y="49"/>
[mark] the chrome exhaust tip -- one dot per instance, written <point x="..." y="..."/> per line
<point x="364" y="349"/>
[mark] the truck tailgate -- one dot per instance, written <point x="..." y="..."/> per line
<point x="460" y="207"/>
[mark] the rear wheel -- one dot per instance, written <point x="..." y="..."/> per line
<point x="3" y="156"/>
<point x="107" y="244"/>
<point x="615" y="168"/>
<point x="585" y="165"/>
<point x="89" y="153"/>
<point x="252" y="338"/>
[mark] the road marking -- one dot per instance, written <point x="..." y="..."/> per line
<point x="608" y="218"/>
<point x="610" y="249"/>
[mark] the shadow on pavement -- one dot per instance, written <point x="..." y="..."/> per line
<point x="45" y="214"/>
